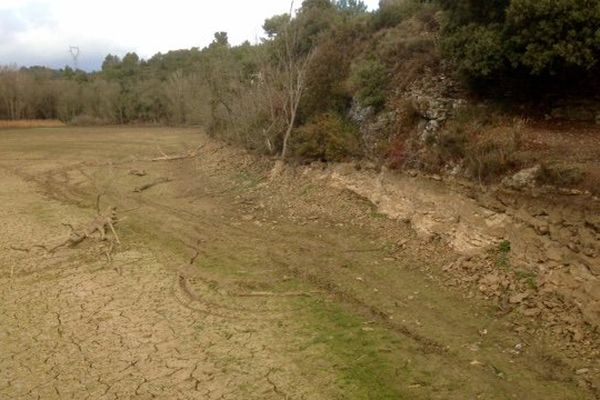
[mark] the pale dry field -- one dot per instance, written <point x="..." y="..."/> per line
<point x="225" y="286"/>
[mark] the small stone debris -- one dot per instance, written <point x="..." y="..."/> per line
<point x="522" y="179"/>
<point x="519" y="346"/>
<point x="582" y="371"/>
<point x="518" y="298"/>
<point x="532" y="312"/>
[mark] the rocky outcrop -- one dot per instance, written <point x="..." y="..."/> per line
<point x="375" y="129"/>
<point x="525" y="178"/>
<point x="435" y="98"/>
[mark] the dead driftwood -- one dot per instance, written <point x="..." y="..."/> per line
<point x="279" y="294"/>
<point x="189" y="154"/>
<point x="147" y="186"/>
<point x="137" y="172"/>
<point x="102" y="224"/>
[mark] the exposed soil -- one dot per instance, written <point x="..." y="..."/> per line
<point x="326" y="283"/>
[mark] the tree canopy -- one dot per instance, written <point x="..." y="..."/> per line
<point x="538" y="38"/>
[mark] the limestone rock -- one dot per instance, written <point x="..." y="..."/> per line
<point x="522" y="179"/>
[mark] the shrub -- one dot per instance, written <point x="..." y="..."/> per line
<point x="550" y="36"/>
<point x="452" y="143"/>
<point x="407" y="115"/>
<point x="502" y="255"/>
<point x="493" y="153"/>
<point x="398" y="154"/>
<point x="480" y="139"/>
<point x="327" y="137"/>
<point x="559" y="175"/>
<point x="464" y="12"/>
<point x="478" y="50"/>
<point x="369" y="80"/>
<point x="325" y="88"/>
<point x="520" y="39"/>
<point x="409" y="50"/>
<point x="88" y="120"/>
<point x="393" y="12"/>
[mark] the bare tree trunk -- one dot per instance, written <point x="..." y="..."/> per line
<point x="293" y="63"/>
<point x="295" y="66"/>
<point x="288" y="133"/>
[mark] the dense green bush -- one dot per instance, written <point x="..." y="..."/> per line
<point x="478" y="50"/>
<point x="393" y="12"/>
<point x="369" y="80"/>
<point x="327" y="137"/>
<point x="539" y="38"/>
<point x="325" y="80"/>
<point x="481" y="12"/>
<point x="553" y="35"/>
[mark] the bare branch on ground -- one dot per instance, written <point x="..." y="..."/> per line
<point x="189" y="154"/>
<point x="147" y="186"/>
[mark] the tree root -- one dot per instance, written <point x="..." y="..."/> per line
<point x="147" y="186"/>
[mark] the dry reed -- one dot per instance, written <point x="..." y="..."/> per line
<point x="30" y="123"/>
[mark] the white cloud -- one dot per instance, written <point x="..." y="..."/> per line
<point x="41" y="31"/>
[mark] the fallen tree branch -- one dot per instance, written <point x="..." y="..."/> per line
<point x="23" y="249"/>
<point x="364" y="250"/>
<point x="99" y="225"/>
<point x="137" y="172"/>
<point x="189" y="154"/>
<point x="28" y="249"/>
<point x="282" y="294"/>
<point x="147" y="186"/>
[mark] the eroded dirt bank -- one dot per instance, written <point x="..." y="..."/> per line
<point x="228" y="286"/>
<point x="536" y="251"/>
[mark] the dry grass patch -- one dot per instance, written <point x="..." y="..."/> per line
<point x="31" y="123"/>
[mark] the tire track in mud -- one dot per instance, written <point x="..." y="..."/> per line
<point x="206" y="286"/>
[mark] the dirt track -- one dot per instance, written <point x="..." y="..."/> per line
<point x="307" y="297"/>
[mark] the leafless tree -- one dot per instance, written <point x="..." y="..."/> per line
<point x="292" y="65"/>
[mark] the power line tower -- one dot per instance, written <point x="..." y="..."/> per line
<point x="74" y="50"/>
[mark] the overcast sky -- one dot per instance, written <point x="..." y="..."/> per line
<point x="39" y="32"/>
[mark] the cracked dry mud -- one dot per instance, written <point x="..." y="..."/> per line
<point x="281" y="302"/>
